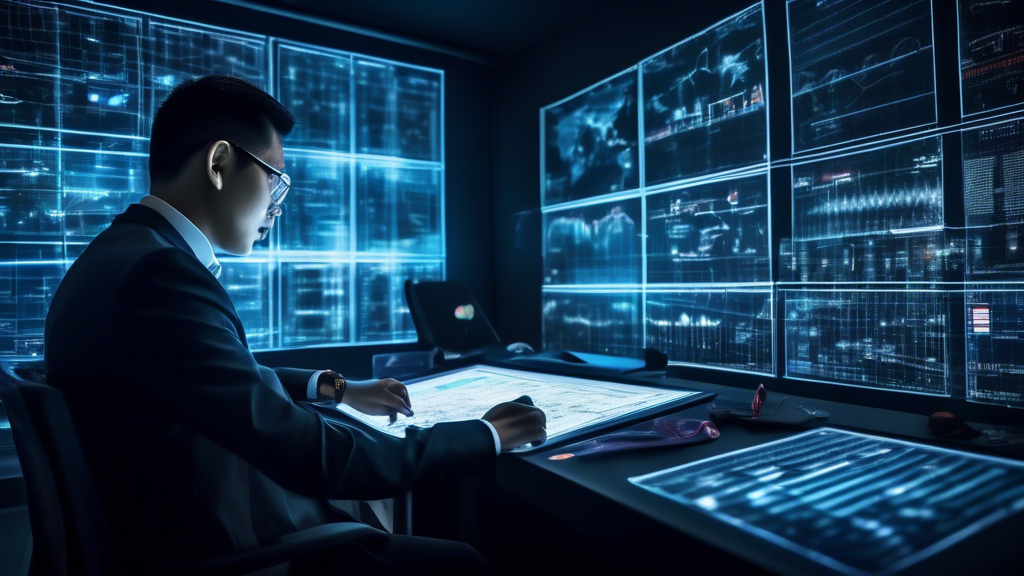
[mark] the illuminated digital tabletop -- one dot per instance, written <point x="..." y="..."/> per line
<point x="570" y="404"/>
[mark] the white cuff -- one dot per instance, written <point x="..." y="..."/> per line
<point x="497" y="441"/>
<point x="311" y="385"/>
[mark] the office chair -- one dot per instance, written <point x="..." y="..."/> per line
<point x="70" y="534"/>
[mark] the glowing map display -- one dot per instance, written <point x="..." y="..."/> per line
<point x="590" y="142"/>
<point x="570" y="404"/>
<point x="857" y="504"/>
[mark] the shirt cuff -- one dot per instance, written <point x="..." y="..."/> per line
<point x="497" y="441"/>
<point x="311" y="385"/>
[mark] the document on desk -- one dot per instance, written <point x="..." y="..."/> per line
<point x="570" y="404"/>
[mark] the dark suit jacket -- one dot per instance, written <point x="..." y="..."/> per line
<point x="197" y="449"/>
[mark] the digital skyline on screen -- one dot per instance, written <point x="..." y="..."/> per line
<point x="727" y="329"/>
<point x="598" y="244"/>
<point x="705" y="102"/>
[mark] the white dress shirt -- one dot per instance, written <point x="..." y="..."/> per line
<point x="203" y="250"/>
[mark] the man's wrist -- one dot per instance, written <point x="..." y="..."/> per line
<point x="331" y="386"/>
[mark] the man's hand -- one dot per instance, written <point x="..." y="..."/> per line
<point x="378" y="398"/>
<point x="517" y="424"/>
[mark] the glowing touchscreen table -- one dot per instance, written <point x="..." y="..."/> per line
<point x="570" y="404"/>
<point x="855" y="503"/>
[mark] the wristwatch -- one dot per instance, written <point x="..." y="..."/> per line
<point x="336" y="381"/>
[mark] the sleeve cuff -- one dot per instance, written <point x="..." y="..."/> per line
<point x="311" y="385"/>
<point x="494" y="433"/>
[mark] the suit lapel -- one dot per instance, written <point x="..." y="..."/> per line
<point x="146" y="216"/>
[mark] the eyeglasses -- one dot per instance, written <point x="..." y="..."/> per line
<point x="280" y="182"/>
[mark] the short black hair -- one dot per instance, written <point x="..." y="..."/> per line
<point x="215" y="107"/>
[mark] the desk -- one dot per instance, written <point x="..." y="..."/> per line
<point x="594" y="499"/>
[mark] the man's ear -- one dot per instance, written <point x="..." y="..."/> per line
<point x="216" y="156"/>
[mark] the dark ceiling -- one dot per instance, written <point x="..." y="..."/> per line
<point x="495" y="29"/>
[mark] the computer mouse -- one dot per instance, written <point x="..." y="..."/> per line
<point x="519" y="348"/>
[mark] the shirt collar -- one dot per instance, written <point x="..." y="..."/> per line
<point x="192" y="235"/>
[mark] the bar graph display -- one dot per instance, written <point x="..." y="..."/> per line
<point x="597" y="244"/>
<point x="859" y="69"/>
<point x="855" y="503"/>
<point x="716" y="232"/>
<point x="991" y="55"/>
<point x="79" y="85"/>
<point x="995" y="347"/>
<point x="891" y="340"/>
<point x="590" y="142"/>
<point x="730" y="329"/>
<point x="705" y="102"/>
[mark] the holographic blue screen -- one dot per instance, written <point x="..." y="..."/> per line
<point x="664" y="242"/>
<point x="858" y="504"/>
<point x="881" y="281"/>
<point x="79" y="84"/>
<point x="859" y="70"/>
<point x="705" y="105"/>
<point x="991" y="55"/>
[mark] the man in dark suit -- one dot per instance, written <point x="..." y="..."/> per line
<point x="197" y="449"/>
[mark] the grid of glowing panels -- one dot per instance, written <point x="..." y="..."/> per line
<point x="662" y="240"/>
<point x="78" y="90"/>
<point x="655" y="207"/>
<point x="991" y="66"/>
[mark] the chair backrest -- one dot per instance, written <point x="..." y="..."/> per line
<point x="69" y="530"/>
<point x="447" y="315"/>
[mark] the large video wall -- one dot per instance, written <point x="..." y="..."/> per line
<point x="899" y="267"/>
<point x="79" y="84"/>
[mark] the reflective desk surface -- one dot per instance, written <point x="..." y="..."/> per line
<point x="595" y="498"/>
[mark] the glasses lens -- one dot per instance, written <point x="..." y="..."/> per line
<point x="279" y="186"/>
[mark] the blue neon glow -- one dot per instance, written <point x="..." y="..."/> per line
<point x="855" y="503"/>
<point x="78" y="89"/>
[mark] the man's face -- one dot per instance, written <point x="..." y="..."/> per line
<point x="243" y="205"/>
